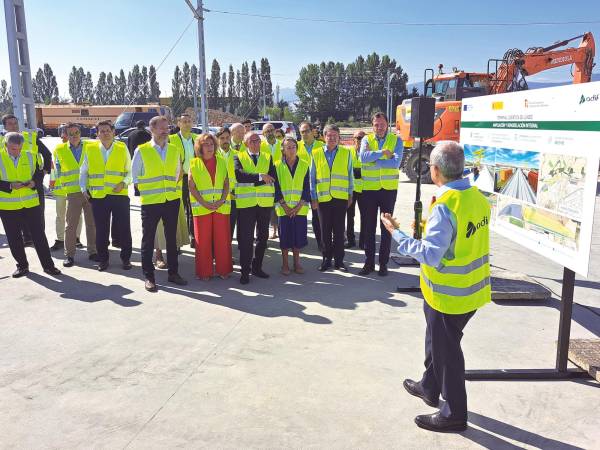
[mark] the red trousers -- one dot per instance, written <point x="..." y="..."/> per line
<point x="213" y="238"/>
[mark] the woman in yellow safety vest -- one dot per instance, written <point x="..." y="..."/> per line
<point x="292" y="197"/>
<point x="208" y="182"/>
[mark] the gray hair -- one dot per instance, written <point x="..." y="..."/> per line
<point x="14" y="138"/>
<point x="235" y="126"/>
<point x="331" y="127"/>
<point x="449" y="157"/>
<point x="248" y="136"/>
<point x="156" y="120"/>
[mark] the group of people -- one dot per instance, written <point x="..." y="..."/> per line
<point x="200" y="189"/>
<point x="210" y="186"/>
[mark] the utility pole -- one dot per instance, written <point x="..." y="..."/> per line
<point x="20" y="69"/>
<point x="389" y="107"/>
<point x="199" y="15"/>
<point x="264" y="97"/>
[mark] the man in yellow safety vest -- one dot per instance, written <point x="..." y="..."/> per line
<point x="455" y="282"/>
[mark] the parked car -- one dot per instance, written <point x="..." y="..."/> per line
<point x="197" y="129"/>
<point x="289" y="128"/>
<point x="128" y="119"/>
<point x="124" y="136"/>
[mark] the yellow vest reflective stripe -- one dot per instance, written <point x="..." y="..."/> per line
<point x="204" y="185"/>
<point x="274" y="151"/>
<point x="18" y="198"/>
<point x="159" y="182"/>
<point x="303" y="153"/>
<point x="103" y="177"/>
<point x="175" y="139"/>
<point x="332" y="183"/>
<point x="246" y="194"/>
<point x="375" y="178"/>
<point x="228" y="158"/>
<point x="291" y="187"/>
<point x="69" y="167"/>
<point x="356" y="164"/>
<point x="461" y="282"/>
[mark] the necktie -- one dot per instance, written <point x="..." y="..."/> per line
<point x="255" y="158"/>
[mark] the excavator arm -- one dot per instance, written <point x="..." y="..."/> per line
<point x="516" y="64"/>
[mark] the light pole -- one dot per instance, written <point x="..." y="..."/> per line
<point x="199" y="15"/>
<point x="389" y="77"/>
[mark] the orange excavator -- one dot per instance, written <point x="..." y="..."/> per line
<point x="503" y="75"/>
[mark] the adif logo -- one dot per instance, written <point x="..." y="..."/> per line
<point x="591" y="98"/>
<point x="472" y="228"/>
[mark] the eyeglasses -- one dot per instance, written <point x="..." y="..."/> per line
<point x="76" y="133"/>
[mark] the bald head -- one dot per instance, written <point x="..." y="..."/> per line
<point x="449" y="158"/>
<point x="237" y="132"/>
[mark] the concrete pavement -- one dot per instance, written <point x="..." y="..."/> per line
<point x="314" y="361"/>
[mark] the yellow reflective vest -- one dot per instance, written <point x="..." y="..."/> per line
<point x="291" y="187"/>
<point x="303" y="153"/>
<point x="159" y="182"/>
<point x="228" y="157"/>
<point x="274" y="150"/>
<point x="176" y="140"/>
<point x="356" y="164"/>
<point x="104" y="176"/>
<point x="210" y="192"/>
<point x="68" y="179"/>
<point x="248" y="195"/>
<point x="375" y="178"/>
<point x="461" y="282"/>
<point x="18" y="198"/>
<point x="332" y="183"/>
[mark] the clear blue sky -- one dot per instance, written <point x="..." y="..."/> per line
<point x="111" y="34"/>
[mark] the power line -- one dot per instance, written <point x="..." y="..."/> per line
<point x="409" y="24"/>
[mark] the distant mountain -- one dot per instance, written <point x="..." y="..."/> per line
<point x="531" y="84"/>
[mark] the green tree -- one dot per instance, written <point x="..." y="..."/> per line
<point x="6" y="106"/>
<point x="101" y="94"/>
<point x="245" y="94"/>
<point x="213" y="85"/>
<point x="134" y="86"/>
<point x="110" y="89"/>
<point x="120" y="88"/>
<point x="265" y="75"/>
<point x="45" y="88"/>
<point x="144" y="86"/>
<point x="76" y="85"/>
<point x="154" y="86"/>
<point x="231" y="89"/>
<point x="176" y="103"/>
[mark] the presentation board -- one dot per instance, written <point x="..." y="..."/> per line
<point x="535" y="155"/>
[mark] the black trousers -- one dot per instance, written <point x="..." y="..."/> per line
<point x="444" y="361"/>
<point x="332" y="215"/>
<point x="249" y="219"/>
<point x="151" y="214"/>
<point x="16" y="220"/>
<point x="350" y="213"/>
<point x="316" y="226"/>
<point x="375" y="203"/>
<point x="41" y="196"/>
<point x="187" y="206"/>
<point x="117" y="207"/>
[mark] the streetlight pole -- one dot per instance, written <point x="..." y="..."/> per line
<point x="199" y="15"/>
<point x="389" y="77"/>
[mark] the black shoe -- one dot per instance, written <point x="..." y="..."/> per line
<point x="150" y="286"/>
<point x="28" y="243"/>
<point x="20" y="272"/>
<point x="102" y="266"/>
<point x="350" y="244"/>
<point x="367" y="269"/>
<point x="176" y="278"/>
<point x="126" y="265"/>
<point x="78" y="244"/>
<point x="245" y="278"/>
<point x="383" y="270"/>
<point x="325" y="265"/>
<point x="259" y="273"/>
<point x="414" y="388"/>
<point x="68" y="262"/>
<point x="52" y="271"/>
<point x="341" y="267"/>
<point x="436" y="422"/>
<point x="58" y="245"/>
<point x="93" y="257"/>
<point x="192" y="243"/>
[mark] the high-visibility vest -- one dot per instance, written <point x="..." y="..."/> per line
<point x="18" y="198"/>
<point x="332" y="183"/>
<point x="461" y="282"/>
<point x="303" y="153"/>
<point x="175" y="139"/>
<point x="210" y="192"/>
<point x="356" y="164"/>
<point x="30" y="143"/>
<point x="246" y="194"/>
<point x="374" y="178"/>
<point x="69" y="168"/>
<point x="103" y="177"/>
<point x="274" y="150"/>
<point x="291" y="187"/>
<point x="159" y="182"/>
<point x="228" y="157"/>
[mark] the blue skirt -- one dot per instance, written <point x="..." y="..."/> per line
<point x="293" y="232"/>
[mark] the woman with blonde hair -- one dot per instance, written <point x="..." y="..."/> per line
<point x="208" y="182"/>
